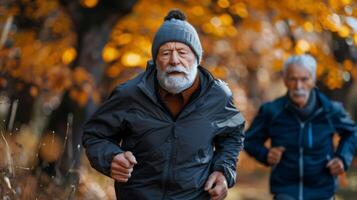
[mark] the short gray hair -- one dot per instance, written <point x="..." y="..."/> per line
<point x="306" y="61"/>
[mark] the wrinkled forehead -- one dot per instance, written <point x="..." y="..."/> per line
<point x="174" y="45"/>
<point x="298" y="70"/>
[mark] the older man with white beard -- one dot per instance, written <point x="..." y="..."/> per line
<point x="173" y="131"/>
<point x="300" y="126"/>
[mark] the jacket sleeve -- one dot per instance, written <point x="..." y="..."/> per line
<point x="229" y="142"/>
<point x="103" y="132"/>
<point x="256" y="136"/>
<point x="347" y="130"/>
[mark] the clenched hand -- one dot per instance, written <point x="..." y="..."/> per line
<point x="274" y="155"/>
<point x="122" y="166"/>
<point x="335" y="166"/>
<point x="216" y="186"/>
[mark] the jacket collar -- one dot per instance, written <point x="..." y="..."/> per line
<point x="147" y="82"/>
<point x="320" y="97"/>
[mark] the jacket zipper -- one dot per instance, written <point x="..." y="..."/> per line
<point x="172" y="149"/>
<point x="301" y="149"/>
<point x="301" y="163"/>
<point x="310" y="138"/>
<point x="168" y="176"/>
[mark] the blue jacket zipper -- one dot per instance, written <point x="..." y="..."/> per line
<point x="301" y="163"/>
<point x="301" y="149"/>
<point x="310" y="138"/>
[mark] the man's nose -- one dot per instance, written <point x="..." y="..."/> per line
<point x="174" y="59"/>
<point x="298" y="84"/>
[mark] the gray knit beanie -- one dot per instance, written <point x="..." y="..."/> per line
<point x="176" y="29"/>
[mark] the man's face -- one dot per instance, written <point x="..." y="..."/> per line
<point x="299" y="82"/>
<point x="177" y="66"/>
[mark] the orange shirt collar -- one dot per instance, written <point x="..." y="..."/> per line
<point x="184" y="95"/>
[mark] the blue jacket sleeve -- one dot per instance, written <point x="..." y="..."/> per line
<point x="103" y="132"/>
<point x="256" y="136"/>
<point x="347" y="130"/>
<point x="229" y="142"/>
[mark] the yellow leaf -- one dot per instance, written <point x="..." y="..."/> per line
<point x="33" y="91"/>
<point x="131" y="59"/>
<point x="239" y="9"/>
<point x="344" y="31"/>
<point x="355" y="38"/>
<point x="223" y="3"/>
<point x="302" y="46"/>
<point x="226" y="19"/>
<point x="89" y="3"/>
<point x="69" y="55"/>
<point x="308" y="26"/>
<point x="197" y="10"/>
<point x="113" y="71"/>
<point x="110" y="53"/>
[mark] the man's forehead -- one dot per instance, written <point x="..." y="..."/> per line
<point x="297" y="69"/>
<point x="174" y="45"/>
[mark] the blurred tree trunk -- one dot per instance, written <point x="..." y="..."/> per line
<point x="93" y="27"/>
<point x="341" y="52"/>
<point x="352" y="102"/>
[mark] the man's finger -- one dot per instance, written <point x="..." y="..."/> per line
<point x="218" y="192"/>
<point x="209" y="183"/>
<point x="122" y="161"/>
<point x="330" y="163"/>
<point x="335" y="162"/>
<point x="273" y="159"/>
<point x="335" y="166"/>
<point x="280" y="148"/>
<point x="122" y="164"/>
<point x="130" y="157"/>
<point x="277" y="150"/>
<point x="118" y="167"/>
<point x="220" y="197"/>
<point x="119" y="173"/>
<point x="126" y="176"/>
<point x="215" y="191"/>
<point x="120" y="178"/>
<point x="336" y="170"/>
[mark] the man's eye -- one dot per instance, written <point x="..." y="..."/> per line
<point x="182" y="52"/>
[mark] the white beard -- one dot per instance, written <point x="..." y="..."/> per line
<point x="176" y="83"/>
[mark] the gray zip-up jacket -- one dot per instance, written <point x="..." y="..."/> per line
<point x="175" y="155"/>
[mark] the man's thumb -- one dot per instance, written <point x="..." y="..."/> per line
<point x="129" y="156"/>
<point x="280" y="148"/>
<point x="209" y="183"/>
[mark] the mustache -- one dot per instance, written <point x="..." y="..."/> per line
<point x="299" y="92"/>
<point x="178" y="68"/>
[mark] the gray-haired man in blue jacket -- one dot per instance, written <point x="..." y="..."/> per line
<point x="301" y="125"/>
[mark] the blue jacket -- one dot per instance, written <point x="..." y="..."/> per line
<point x="302" y="171"/>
